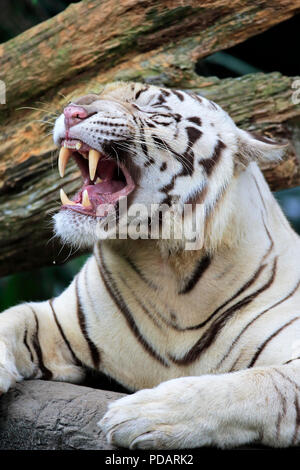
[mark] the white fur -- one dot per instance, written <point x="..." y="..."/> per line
<point x="242" y="388"/>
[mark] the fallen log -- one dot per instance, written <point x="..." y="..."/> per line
<point x="99" y="35"/>
<point x="39" y="415"/>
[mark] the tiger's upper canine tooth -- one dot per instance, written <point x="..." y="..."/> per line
<point x="64" y="155"/>
<point x="64" y="198"/>
<point x="94" y="156"/>
<point x="85" y="199"/>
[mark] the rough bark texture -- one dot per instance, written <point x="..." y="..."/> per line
<point x="39" y="415"/>
<point x="109" y="32"/>
<point x="92" y="43"/>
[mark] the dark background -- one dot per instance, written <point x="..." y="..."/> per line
<point x="275" y="50"/>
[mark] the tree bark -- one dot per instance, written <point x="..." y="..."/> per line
<point x="39" y="415"/>
<point x="101" y="34"/>
<point x="153" y="42"/>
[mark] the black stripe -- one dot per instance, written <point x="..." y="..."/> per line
<point x="196" y="97"/>
<point x="179" y="95"/>
<point x="254" y="278"/>
<point x="139" y="273"/>
<point x="288" y="379"/>
<point x="198" y="198"/>
<point x="234" y="364"/>
<point x="163" y="166"/>
<point x="269" y="236"/>
<point x="193" y="135"/>
<point x="81" y="319"/>
<point x="201" y="267"/>
<point x="210" y="163"/>
<point x="282" y="413"/>
<point x="161" y="100"/>
<point x="259" y="191"/>
<point x="118" y="300"/>
<point x="144" y="146"/>
<point x="195" y="120"/>
<point x="212" y="105"/>
<point x="237" y="294"/>
<point x="215" y="328"/>
<point x="142" y="90"/>
<point x="172" y="323"/>
<point x="256" y="318"/>
<point x="75" y="358"/>
<point x="265" y="343"/>
<point x="188" y="155"/>
<point x="140" y="303"/>
<point x="27" y="346"/>
<point x="292" y="360"/>
<point x="168" y="187"/>
<point x="46" y="373"/>
<point x="297" y="420"/>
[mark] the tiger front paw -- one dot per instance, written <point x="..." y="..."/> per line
<point x="9" y="374"/>
<point x="169" y="416"/>
<point x="182" y="413"/>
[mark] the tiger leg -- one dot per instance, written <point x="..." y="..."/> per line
<point x="38" y="340"/>
<point x="259" y="405"/>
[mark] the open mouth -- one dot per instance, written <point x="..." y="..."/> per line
<point x="105" y="180"/>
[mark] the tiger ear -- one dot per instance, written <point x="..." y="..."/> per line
<point x="258" y="148"/>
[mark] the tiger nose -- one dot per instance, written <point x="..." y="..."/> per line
<point x="74" y="114"/>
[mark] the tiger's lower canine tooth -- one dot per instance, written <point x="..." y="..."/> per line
<point x="64" y="155"/>
<point x="64" y="198"/>
<point x="85" y="199"/>
<point x="94" y="156"/>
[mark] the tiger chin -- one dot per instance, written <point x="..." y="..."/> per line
<point x="208" y="338"/>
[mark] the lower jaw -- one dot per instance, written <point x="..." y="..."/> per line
<point x="100" y="211"/>
<point x="99" y="203"/>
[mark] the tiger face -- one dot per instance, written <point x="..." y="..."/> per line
<point x="149" y="146"/>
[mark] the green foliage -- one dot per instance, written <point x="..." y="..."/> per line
<point x="38" y="284"/>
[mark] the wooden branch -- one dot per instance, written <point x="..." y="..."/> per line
<point x="39" y="415"/>
<point x="99" y="35"/>
<point x="156" y="42"/>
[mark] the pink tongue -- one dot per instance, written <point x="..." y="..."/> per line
<point x="106" y="187"/>
<point x="105" y="192"/>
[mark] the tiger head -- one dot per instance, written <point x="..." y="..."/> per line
<point x="148" y="146"/>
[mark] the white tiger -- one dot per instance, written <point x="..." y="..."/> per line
<point x="209" y="337"/>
